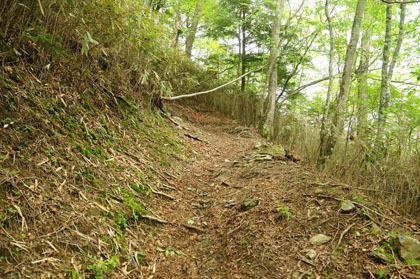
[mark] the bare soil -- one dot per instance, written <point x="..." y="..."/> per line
<point x="209" y="235"/>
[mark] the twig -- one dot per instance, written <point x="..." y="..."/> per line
<point x="156" y="219"/>
<point x="235" y="229"/>
<point x="195" y="138"/>
<point x="191" y="227"/>
<point x="377" y="213"/>
<point x="168" y="188"/>
<point x="163" y="195"/>
<point x="341" y="236"/>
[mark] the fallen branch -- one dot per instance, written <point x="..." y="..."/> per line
<point x="211" y="90"/>
<point x="163" y="195"/>
<point x="191" y="227"/>
<point x="195" y="138"/>
<point x="174" y="122"/>
<point x="155" y="219"/>
<point x="341" y="236"/>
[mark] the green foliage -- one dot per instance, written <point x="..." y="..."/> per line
<point x="42" y="38"/>
<point x="137" y="208"/>
<point x="283" y="212"/>
<point x="100" y="269"/>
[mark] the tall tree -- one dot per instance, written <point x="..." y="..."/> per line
<point x="324" y="131"/>
<point x="338" y="118"/>
<point x="388" y="68"/>
<point x="267" y="129"/>
<point x="177" y="28"/>
<point x="192" y="31"/>
<point x="362" y="83"/>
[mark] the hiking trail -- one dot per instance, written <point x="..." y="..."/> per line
<point x="243" y="209"/>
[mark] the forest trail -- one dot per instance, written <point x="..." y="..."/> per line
<point x="212" y="234"/>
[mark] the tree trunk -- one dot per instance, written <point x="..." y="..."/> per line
<point x="261" y="102"/>
<point x="338" y="118"/>
<point x="267" y="129"/>
<point x="243" y="29"/>
<point x="324" y="131"/>
<point x="383" y="101"/>
<point x="189" y="41"/>
<point x="178" y="22"/>
<point x="388" y="70"/>
<point x="362" y="85"/>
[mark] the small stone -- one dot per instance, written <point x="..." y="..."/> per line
<point x="164" y="263"/>
<point x="231" y="204"/>
<point x="380" y="255"/>
<point x="247" y="205"/>
<point x="319" y="239"/>
<point x="319" y="191"/>
<point x="408" y="247"/>
<point x="347" y="206"/>
<point x="263" y="157"/>
<point x="258" y="145"/>
<point x="311" y="254"/>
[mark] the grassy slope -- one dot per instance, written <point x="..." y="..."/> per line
<point x="81" y="150"/>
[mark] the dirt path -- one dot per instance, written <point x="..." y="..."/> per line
<point x="212" y="235"/>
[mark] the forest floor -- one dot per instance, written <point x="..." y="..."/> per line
<point x="244" y="210"/>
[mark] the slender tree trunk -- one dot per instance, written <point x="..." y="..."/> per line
<point x="267" y="129"/>
<point x="324" y="131"/>
<point x="388" y="70"/>
<point x="338" y="118"/>
<point x="178" y="22"/>
<point x="261" y="102"/>
<point x="243" y="81"/>
<point x="383" y="104"/>
<point x="238" y="72"/>
<point x="362" y="85"/>
<point x="189" y="41"/>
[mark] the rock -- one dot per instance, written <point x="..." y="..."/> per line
<point x="164" y="263"/>
<point x="247" y="205"/>
<point x="381" y="255"/>
<point x="311" y="254"/>
<point x="320" y="239"/>
<point x="347" y="206"/>
<point x="262" y="157"/>
<point x="319" y="191"/>
<point x="258" y="145"/>
<point x="408" y="247"/>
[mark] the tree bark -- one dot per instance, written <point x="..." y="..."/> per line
<point x="189" y="41"/>
<point x="243" y="54"/>
<point x="178" y="22"/>
<point x="362" y="84"/>
<point x="338" y="118"/>
<point x="323" y="134"/>
<point x="383" y="100"/>
<point x="267" y="129"/>
<point x="388" y="70"/>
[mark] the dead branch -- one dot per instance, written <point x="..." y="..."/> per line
<point x="211" y="90"/>
<point x="341" y="236"/>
